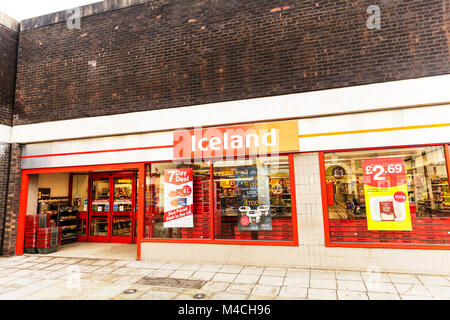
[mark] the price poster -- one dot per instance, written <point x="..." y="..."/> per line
<point x="386" y="194"/>
<point x="253" y="199"/>
<point x="178" y="190"/>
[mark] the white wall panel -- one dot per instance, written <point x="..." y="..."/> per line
<point x="5" y="133"/>
<point x="376" y="139"/>
<point x="98" y="158"/>
<point x="96" y="144"/>
<point x="376" y="120"/>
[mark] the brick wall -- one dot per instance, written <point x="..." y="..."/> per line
<point x="165" y="54"/>
<point x="8" y="59"/>
<point x="4" y="170"/>
<point x="9" y="221"/>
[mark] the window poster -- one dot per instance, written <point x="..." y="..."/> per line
<point x="386" y="194"/>
<point x="253" y="199"/>
<point x="178" y="201"/>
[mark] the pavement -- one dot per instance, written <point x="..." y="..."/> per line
<point x="43" y="277"/>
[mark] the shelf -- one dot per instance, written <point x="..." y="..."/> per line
<point x="71" y="237"/>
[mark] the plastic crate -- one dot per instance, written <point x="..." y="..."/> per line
<point x="30" y="250"/>
<point x="47" y="250"/>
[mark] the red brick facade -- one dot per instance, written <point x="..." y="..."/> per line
<point x="165" y="54"/>
<point x="8" y="60"/>
<point x="9" y="221"/>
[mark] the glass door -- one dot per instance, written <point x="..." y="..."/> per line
<point x="122" y="215"/>
<point x="99" y="213"/>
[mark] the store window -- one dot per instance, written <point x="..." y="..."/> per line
<point x="391" y="196"/>
<point x="170" y="188"/>
<point x="250" y="199"/>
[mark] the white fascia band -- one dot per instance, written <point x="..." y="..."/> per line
<point x="5" y="134"/>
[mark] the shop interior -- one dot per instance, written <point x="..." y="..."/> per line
<point x="84" y="207"/>
<point x="428" y="194"/>
<point x="426" y="176"/>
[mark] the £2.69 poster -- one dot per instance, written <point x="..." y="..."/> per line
<point x="386" y="194"/>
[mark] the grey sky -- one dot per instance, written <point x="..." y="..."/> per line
<point x="24" y="9"/>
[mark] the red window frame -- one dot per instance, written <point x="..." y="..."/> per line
<point x="329" y="243"/>
<point x="212" y="239"/>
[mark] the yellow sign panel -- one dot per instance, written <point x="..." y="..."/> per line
<point x="386" y="194"/>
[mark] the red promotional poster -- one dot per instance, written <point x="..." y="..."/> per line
<point x="386" y="194"/>
<point x="384" y="172"/>
<point x="178" y="200"/>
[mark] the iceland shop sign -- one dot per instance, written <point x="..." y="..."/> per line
<point x="268" y="138"/>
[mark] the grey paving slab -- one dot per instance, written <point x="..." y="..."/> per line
<point x="403" y="278"/>
<point x="214" y="286"/>
<point x="348" y="275"/>
<point x="434" y="280"/>
<point x="323" y="284"/>
<point x="412" y="289"/>
<point x="323" y="274"/>
<point x="271" y="280"/>
<point x="39" y="278"/>
<point x="244" y="278"/>
<point x="241" y="288"/>
<point x="322" y="294"/>
<point x="383" y="296"/>
<point x="190" y="267"/>
<point x="293" y="292"/>
<point x="252" y="270"/>
<point x="351" y="285"/>
<point x="380" y="287"/>
<point x="351" y="295"/>
<point x="439" y="292"/>
<point x="300" y="281"/>
<point x="265" y="290"/>
<point x="229" y="296"/>
<point x="280" y="272"/>
<point x="224" y="277"/>
<point x="227" y="268"/>
<point x="181" y="274"/>
<point x="408" y="297"/>
<point x="170" y="265"/>
<point x="202" y="275"/>
<point x="160" y="294"/>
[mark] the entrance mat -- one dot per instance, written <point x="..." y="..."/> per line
<point x="170" y="282"/>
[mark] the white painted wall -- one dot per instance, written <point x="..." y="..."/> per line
<point x="5" y="133"/>
<point x="420" y="116"/>
<point x="57" y="182"/>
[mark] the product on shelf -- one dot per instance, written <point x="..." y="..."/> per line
<point x="67" y="221"/>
